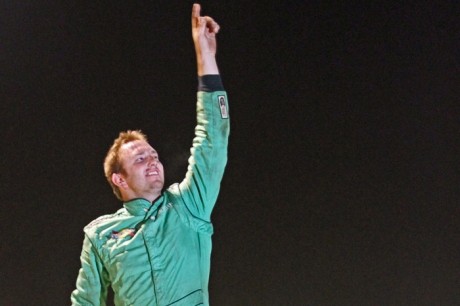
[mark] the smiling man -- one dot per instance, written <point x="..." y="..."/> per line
<point x="156" y="249"/>
<point x="133" y="168"/>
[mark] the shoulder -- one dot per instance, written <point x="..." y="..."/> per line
<point x="177" y="194"/>
<point x="103" y="222"/>
<point x="172" y="190"/>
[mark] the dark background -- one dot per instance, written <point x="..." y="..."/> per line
<point x="342" y="186"/>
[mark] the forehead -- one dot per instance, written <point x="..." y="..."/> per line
<point x="135" y="147"/>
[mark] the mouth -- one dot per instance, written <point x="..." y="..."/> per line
<point x="153" y="172"/>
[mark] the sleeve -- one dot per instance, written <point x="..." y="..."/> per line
<point x="200" y="188"/>
<point x="93" y="280"/>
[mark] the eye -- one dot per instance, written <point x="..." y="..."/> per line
<point x="155" y="155"/>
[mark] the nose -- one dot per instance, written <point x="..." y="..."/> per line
<point x="152" y="161"/>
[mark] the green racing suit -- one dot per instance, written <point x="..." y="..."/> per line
<point x="159" y="253"/>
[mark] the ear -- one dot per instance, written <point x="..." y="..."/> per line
<point x="118" y="180"/>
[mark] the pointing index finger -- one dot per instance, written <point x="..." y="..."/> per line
<point x="195" y="14"/>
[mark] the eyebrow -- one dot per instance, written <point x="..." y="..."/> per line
<point x="146" y="151"/>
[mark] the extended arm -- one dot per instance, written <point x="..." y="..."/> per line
<point x="200" y="188"/>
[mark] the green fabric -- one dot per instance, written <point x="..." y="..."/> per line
<point x="167" y="260"/>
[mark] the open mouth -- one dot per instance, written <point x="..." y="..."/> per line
<point x="152" y="173"/>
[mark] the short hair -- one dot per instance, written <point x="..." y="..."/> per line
<point x="112" y="162"/>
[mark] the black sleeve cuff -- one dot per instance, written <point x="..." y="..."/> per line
<point x="210" y="82"/>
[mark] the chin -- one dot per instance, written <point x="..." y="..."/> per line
<point x="157" y="185"/>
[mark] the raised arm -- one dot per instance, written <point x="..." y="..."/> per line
<point x="200" y="188"/>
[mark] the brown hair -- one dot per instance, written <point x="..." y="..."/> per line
<point x="112" y="162"/>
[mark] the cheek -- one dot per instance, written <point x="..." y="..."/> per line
<point x="133" y="174"/>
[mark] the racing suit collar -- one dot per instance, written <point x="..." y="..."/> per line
<point x="137" y="207"/>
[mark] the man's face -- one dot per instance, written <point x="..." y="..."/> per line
<point x="143" y="175"/>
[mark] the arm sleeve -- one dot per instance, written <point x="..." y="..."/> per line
<point x="93" y="280"/>
<point x="201" y="185"/>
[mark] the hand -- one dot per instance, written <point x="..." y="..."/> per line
<point x="204" y="30"/>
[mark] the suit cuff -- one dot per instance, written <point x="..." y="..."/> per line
<point x="210" y="82"/>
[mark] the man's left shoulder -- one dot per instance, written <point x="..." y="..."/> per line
<point x="104" y="220"/>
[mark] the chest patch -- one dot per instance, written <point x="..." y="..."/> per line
<point x="123" y="233"/>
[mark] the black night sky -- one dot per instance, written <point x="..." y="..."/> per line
<point x="342" y="186"/>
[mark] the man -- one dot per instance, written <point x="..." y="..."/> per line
<point x="156" y="249"/>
